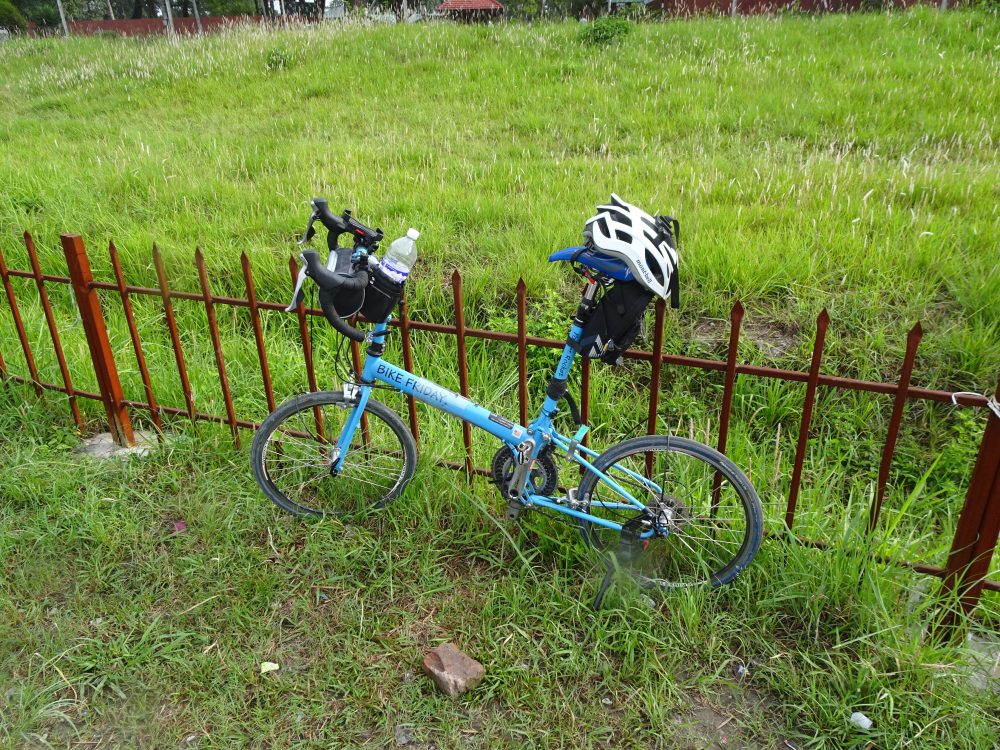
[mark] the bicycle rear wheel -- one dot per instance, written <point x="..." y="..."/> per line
<point x="293" y="451"/>
<point x="707" y="518"/>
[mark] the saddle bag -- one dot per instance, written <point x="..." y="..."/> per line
<point x="615" y="322"/>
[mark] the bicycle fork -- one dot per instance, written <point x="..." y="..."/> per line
<point x="360" y="396"/>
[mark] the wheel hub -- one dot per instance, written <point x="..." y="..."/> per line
<point x="671" y="515"/>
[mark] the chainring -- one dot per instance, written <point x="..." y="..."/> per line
<point x="544" y="474"/>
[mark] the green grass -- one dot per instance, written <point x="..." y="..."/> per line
<point x="113" y="626"/>
<point x="847" y="162"/>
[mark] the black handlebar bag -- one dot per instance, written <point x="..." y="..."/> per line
<point x="346" y="302"/>
<point x="375" y="302"/>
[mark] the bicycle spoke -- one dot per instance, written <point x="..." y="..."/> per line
<point x="298" y="459"/>
<point x="700" y="524"/>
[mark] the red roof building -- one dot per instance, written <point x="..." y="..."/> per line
<point x="471" y="10"/>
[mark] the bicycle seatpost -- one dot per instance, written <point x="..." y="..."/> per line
<point x="587" y="305"/>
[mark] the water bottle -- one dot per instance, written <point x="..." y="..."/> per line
<point x="401" y="256"/>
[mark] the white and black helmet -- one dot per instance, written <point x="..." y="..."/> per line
<point x="643" y="242"/>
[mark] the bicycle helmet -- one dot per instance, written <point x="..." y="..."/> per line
<point x="643" y="242"/>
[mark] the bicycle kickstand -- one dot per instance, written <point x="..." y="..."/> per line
<point x="609" y="577"/>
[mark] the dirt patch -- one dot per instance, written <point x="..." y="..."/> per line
<point x="773" y="338"/>
<point x="729" y="719"/>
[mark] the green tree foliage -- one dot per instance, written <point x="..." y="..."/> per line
<point x="605" y="30"/>
<point x="10" y="17"/>
<point x="224" y="7"/>
<point x="42" y="12"/>
<point x="46" y="14"/>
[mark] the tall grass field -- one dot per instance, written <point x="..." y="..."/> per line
<point x="841" y="162"/>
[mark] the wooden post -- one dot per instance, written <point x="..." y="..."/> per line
<point x="89" y="306"/>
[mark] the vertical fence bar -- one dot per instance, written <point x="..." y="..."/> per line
<point x="258" y="332"/>
<point x="404" y="324"/>
<point x="213" y="330"/>
<point x="729" y="385"/>
<point x="732" y="354"/>
<point x="654" y="380"/>
<point x="103" y="360"/>
<point x="133" y="332"/>
<point x="522" y="350"/>
<point x="807" y="407"/>
<point x="463" y="365"/>
<point x="978" y="526"/>
<point x="175" y="339"/>
<point x="898" y="405"/>
<point x="22" y="335"/>
<point x="50" y="321"/>
<point x="300" y="312"/>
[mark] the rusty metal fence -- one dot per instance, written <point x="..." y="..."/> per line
<point x="968" y="564"/>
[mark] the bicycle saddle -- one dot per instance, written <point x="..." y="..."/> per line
<point x="613" y="267"/>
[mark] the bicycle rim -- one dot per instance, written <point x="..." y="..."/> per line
<point x="708" y="521"/>
<point x="294" y="454"/>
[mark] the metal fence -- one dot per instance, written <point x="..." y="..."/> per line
<point x="978" y="526"/>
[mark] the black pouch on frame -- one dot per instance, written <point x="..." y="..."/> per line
<point x="381" y="296"/>
<point x="615" y="322"/>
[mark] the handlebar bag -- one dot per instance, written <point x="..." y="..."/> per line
<point x="615" y="322"/>
<point x="381" y="296"/>
<point x="347" y="302"/>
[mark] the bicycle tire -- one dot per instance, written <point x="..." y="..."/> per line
<point x="676" y="515"/>
<point x="301" y="433"/>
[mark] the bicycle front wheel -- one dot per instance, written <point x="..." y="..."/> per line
<point x="293" y="453"/>
<point x="707" y="519"/>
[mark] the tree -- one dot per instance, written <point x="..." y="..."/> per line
<point x="11" y="18"/>
<point x="42" y="12"/>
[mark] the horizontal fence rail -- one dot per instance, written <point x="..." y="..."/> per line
<point x="978" y="524"/>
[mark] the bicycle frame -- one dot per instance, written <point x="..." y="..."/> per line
<point x="541" y="429"/>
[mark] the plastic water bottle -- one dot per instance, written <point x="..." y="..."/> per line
<point x="401" y="256"/>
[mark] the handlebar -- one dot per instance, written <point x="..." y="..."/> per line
<point x="329" y="282"/>
<point x="345" y="223"/>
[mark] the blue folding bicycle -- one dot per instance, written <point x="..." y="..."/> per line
<point x="670" y="510"/>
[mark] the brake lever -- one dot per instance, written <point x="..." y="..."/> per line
<point x="310" y="229"/>
<point x="298" y="296"/>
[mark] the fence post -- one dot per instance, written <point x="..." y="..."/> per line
<point x="463" y="365"/>
<point x="97" y="339"/>
<point x="978" y="525"/>
<point x="807" y="408"/>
